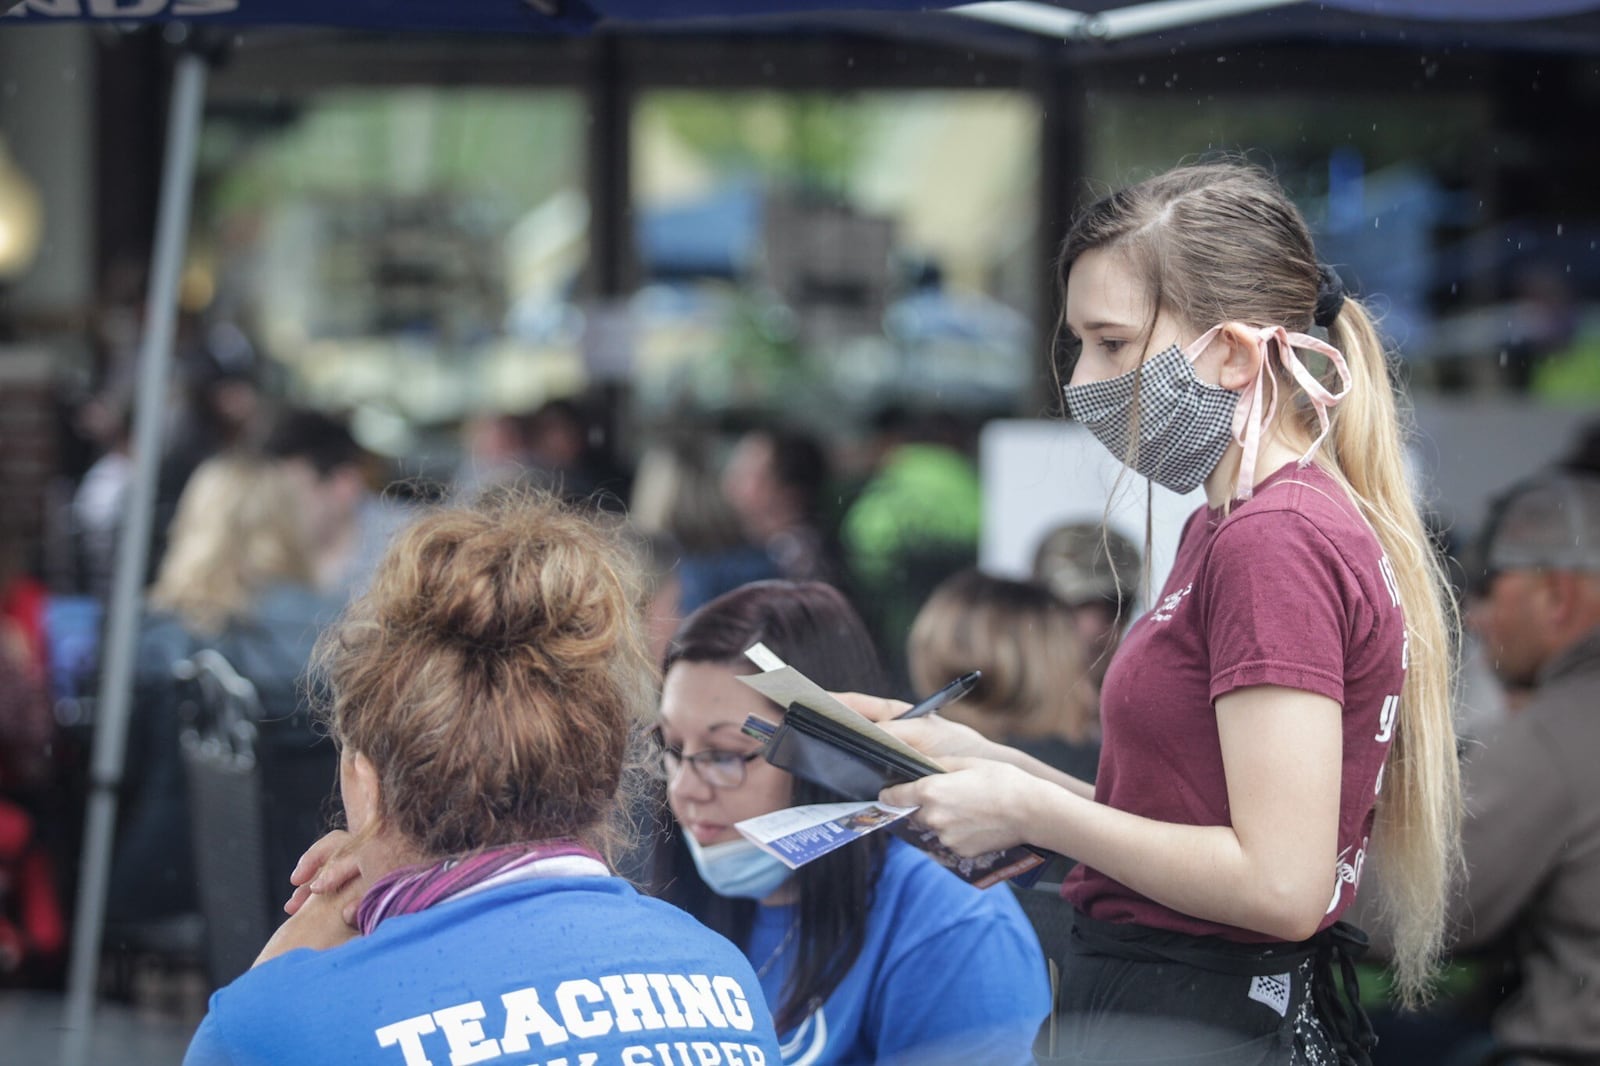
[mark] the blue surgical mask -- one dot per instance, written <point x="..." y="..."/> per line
<point x="737" y="868"/>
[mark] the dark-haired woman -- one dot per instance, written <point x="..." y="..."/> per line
<point x="873" y="953"/>
<point x="484" y="692"/>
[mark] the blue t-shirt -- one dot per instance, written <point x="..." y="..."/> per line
<point x="580" y="971"/>
<point x="948" y="974"/>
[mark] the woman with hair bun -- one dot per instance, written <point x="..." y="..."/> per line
<point x="1282" y="713"/>
<point x="484" y="695"/>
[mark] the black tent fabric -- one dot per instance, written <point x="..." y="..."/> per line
<point x="573" y="16"/>
<point x="490" y="16"/>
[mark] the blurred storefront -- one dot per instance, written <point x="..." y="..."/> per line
<point x="814" y="223"/>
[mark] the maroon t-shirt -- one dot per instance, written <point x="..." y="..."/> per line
<point x="1292" y="589"/>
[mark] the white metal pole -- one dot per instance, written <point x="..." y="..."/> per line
<point x="116" y="678"/>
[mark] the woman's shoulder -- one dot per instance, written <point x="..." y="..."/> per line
<point x="616" y="907"/>
<point x="616" y="918"/>
<point x="289" y="604"/>
<point x="1299" y="515"/>
<point x="1294" y="493"/>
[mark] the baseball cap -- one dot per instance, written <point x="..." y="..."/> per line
<point x="1551" y="521"/>
<point x="1083" y="562"/>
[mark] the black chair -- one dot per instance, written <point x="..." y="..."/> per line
<point x="258" y="789"/>
<point x="1051" y="918"/>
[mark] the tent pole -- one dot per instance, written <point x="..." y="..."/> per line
<point x="116" y="678"/>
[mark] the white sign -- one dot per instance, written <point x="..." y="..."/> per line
<point x="1040" y="474"/>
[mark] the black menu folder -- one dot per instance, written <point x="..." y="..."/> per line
<point x="822" y="741"/>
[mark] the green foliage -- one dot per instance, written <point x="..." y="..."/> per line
<point x="811" y="138"/>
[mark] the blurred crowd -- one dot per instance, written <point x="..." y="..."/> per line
<point x="270" y="519"/>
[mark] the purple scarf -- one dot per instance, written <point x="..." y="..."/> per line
<point x="415" y="888"/>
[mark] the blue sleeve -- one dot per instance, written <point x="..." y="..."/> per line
<point x="207" y="1048"/>
<point x="976" y="991"/>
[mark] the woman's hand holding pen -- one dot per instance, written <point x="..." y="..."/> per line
<point x="938" y="738"/>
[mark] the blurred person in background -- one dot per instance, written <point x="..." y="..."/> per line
<point x="101" y="496"/>
<point x="1093" y="570"/>
<point x="557" y="437"/>
<point x="32" y="927"/>
<point x="494" y="453"/>
<point x="23" y="597"/>
<point x="237" y="578"/>
<point x="774" y="479"/>
<point x="349" y="524"/>
<point x="658" y="556"/>
<point x="1532" y="832"/>
<point x="1583" y="456"/>
<point x="676" y="492"/>
<point x="487" y="697"/>
<point x="873" y="952"/>
<point x="1035" y="694"/>
<point x="545" y="450"/>
<point x="915" y="522"/>
<point x="26" y="722"/>
<point x="219" y="408"/>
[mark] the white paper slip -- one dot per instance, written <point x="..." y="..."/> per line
<point x="797" y="835"/>
<point x="763" y="657"/>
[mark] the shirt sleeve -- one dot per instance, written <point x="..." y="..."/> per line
<point x="207" y="1048"/>
<point x="1517" y="801"/>
<point x="974" y="992"/>
<point x="1276" y="607"/>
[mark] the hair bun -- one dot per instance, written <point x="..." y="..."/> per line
<point x="493" y="674"/>
<point x="1330" y="296"/>
<point x="515" y="578"/>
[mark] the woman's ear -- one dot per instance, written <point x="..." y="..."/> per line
<point x="359" y="788"/>
<point x="1242" y="355"/>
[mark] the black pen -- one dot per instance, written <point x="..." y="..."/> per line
<point x="945" y="696"/>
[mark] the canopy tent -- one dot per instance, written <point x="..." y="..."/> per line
<point x="1079" y="20"/>
<point x="478" y="16"/>
<point x="1085" y="23"/>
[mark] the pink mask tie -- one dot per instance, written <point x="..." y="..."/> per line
<point x="1249" y="417"/>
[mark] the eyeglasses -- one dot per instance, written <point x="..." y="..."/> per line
<point x="719" y="769"/>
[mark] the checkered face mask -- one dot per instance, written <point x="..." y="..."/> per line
<point x="1184" y="424"/>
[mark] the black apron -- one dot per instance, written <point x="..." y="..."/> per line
<point x="1137" y="996"/>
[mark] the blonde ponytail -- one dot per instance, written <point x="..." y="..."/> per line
<point x="1416" y="843"/>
